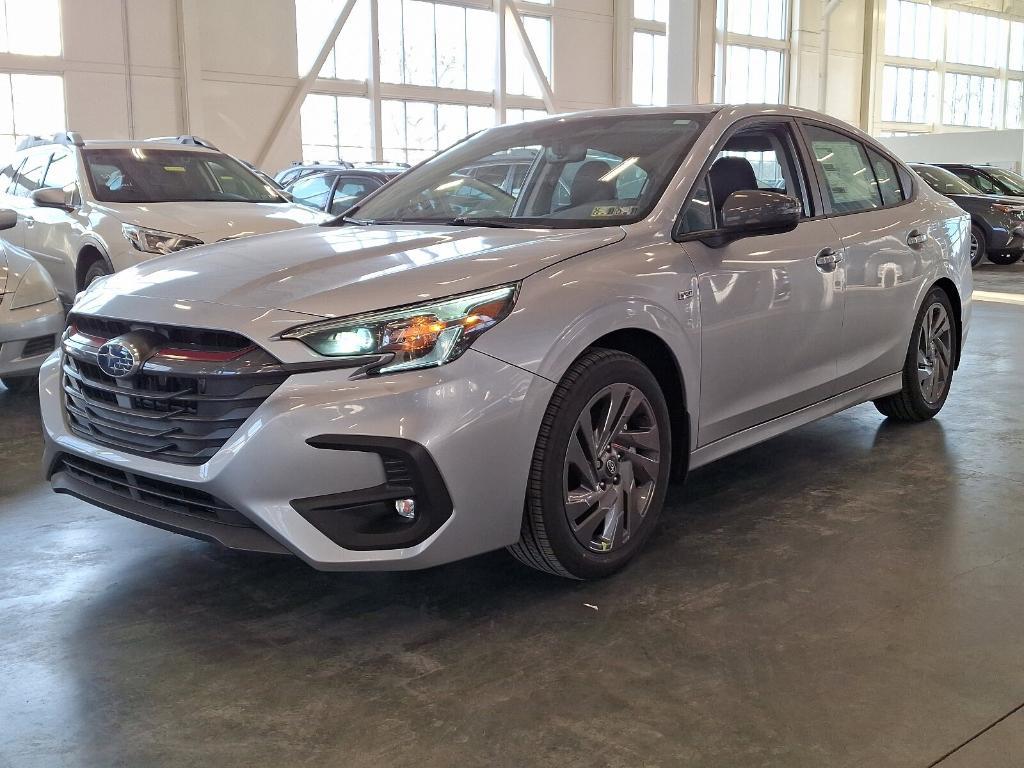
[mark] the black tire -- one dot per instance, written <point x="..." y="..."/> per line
<point x="547" y="542"/>
<point x="910" y="403"/>
<point x="19" y="385"/>
<point x="978" y="236"/>
<point x="1004" y="259"/>
<point x="97" y="269"/>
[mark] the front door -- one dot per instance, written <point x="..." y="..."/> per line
<point x="771" y="306"/>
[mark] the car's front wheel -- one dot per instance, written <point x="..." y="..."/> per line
<point x="1004" y="259"/>
<point x="97" y="269"/>
<point x="600" y="469"/>
<point x="928" y="369"/>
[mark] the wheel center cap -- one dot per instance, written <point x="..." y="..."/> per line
<point x="611" y="467"/>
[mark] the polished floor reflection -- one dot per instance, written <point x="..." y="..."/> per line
<point x="846" y="595"/>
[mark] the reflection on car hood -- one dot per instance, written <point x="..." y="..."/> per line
<point x="213" y="221"/>
<point x="331" y="271"/>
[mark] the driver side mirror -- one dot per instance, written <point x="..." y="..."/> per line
<point x="53" y="197"/>
<point x="8" y="218"/>
<point x="751" y="212"/>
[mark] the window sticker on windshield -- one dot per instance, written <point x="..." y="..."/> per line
<point x="612" y="210"/>
<point x="174" y="168"/>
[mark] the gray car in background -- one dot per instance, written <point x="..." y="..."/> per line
<point x="454" y="368"/>
<point x="31" y="315"/>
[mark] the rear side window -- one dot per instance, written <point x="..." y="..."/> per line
<point x="349" y="192"/>
<point x="843" y="165"/>
<point x="313" y="190"/>
<point x="979" y="182"/>
<point x="887" y="178"/>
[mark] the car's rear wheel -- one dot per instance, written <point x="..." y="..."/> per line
<point x="1004" y="259"/>
<point x="928" y="370"/>
<point x="978" y="245"/>
<point x="97" y="269"/>
<point x="19" y="384"/>
<point x="600" y="469"/>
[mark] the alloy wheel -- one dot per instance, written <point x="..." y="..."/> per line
<point x="934" y="353"/>
<point x="975" y="247"/>
<point x="611" y="467"/>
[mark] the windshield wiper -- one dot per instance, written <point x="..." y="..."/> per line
<point x="463" y="221"/>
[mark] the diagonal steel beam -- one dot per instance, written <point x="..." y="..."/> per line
<point x="531" y="57"/>
<point x="294" y="103"/>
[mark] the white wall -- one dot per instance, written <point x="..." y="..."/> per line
<point x="247" y="66"/>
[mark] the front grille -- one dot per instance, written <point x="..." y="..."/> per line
<point x="216" y="341"/>
<point x="175" y="410"/>
<point x="39" y="346"/>
<point x="156" y="493"/>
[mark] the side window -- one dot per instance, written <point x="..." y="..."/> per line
<point x="492" y="174"/>
<point x="313" y="190"/>
<point x="843" y="164"/>
<point x="983" y="183"/>
<point x="762" y="158"/>
<point x="30" y="177"/>
<point x="698" y="215"/>
<point x="61" y="171"/>
<point x="350" y="192"/>
<point x="887" y="179"/>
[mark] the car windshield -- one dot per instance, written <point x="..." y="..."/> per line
<point x="583" y="172"/>
<point x="944" y="181"/>
<point x="1008" y="180"/>
<point x="151" y="175"/>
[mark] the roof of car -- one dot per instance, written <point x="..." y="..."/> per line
<point x="338" y="171"/>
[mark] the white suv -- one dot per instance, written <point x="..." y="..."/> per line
<point x="90" y="208"/>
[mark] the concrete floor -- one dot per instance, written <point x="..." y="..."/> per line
<point x="846" y="595"/>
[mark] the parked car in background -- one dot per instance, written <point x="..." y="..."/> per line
<point x="997" y="222"/>
<point x="336" y="191"/>
<point x="452" y="369"/>
<point x="31" y="314"/>
<point x="89" y="208"/>
<point x="988" y="179"/>
<point x="288" y="176"/>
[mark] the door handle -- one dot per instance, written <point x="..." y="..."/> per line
<point x="916" y="238"/>
<point x="828" y="259"/>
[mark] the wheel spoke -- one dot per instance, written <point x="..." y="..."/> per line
<point x="581" y="501"/>
<point x="623" y="401"/>
<point x="639" y="439"/>
<point x="576" y="457"/>
<point x="643" y="466"/>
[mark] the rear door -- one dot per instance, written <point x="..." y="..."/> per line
<point x="887" y="241"/>
<point x="771" y="306"/>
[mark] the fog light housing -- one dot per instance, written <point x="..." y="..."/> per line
<point x="406" y="508"/>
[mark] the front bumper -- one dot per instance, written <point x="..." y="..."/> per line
<point x="313" y="449"/>
<point x="28" y="336"/>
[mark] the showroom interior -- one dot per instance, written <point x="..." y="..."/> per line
<point x="370" y="574"/>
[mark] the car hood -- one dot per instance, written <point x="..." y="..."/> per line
<point x="213" y="221"/>
<point x="332" y="271"/>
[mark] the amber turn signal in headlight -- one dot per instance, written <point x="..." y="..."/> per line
<point x="418" y="336"/>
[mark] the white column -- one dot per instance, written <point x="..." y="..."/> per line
<point x="683" y="44"/>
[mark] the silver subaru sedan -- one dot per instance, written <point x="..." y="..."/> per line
<point x="451" y="368"/>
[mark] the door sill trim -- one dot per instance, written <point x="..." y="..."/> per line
<point x="746" y="438"/>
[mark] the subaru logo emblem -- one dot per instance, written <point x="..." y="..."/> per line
<point x="117" y="359"/>
<point x="125" y="355"/>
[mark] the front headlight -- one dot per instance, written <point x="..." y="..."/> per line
<point x="155" y="241"/>
<point x="35" y="288"/>
<point x="418" y="336"/>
